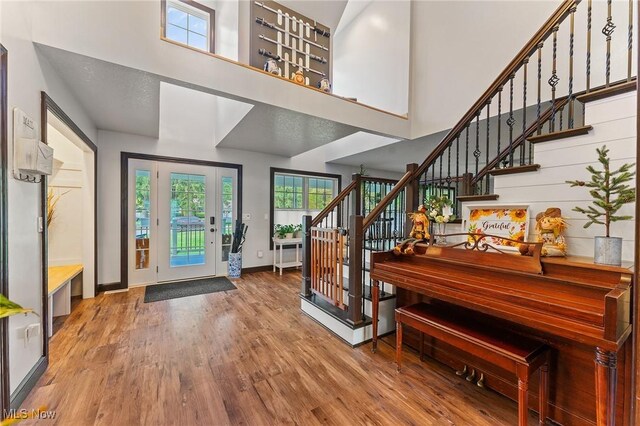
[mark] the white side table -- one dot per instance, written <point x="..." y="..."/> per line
<point x="280" y="243"/>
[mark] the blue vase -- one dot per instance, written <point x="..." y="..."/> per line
<point x="235" y="265"/>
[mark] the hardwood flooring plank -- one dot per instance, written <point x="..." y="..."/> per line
<point x="244" y="357"/>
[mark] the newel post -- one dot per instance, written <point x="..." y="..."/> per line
<point x="356" y="200"/>
<point x="306" y="256"/>
<point x="467" y="185"/>
<point x="355" y="269"/>
<point x="412" y="196"/>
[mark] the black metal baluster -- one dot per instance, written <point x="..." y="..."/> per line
<point x="499" y="123"/>
<point x="487" y="144"/>
<point x="476" y="152"/>
<point x="524" y="109"/>
<point x="571" y="40"/>
<point x="589" y="18"/>
<point x="539" y="107"/>
<point x="553" y="80"/>
<point x="466" y="152"/>
<point x="457" y="172"/>
<point x="630" y="41"/>
<point x="561" y="113"/>
<point x="448" y="179"/>
<point x="607" y="30"/>
<point x="440" y="178"/>
<point x="511" y="121"/>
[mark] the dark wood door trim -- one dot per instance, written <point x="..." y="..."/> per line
<point x="635" y="375"/>
<point x="49" y="105"/>
<point x="124" y="203"/>
<point x="4" y="263"/>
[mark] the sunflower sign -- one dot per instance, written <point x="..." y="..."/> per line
<point x="507" y="222"/>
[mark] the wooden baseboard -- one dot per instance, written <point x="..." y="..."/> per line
<point x="110" y="287"/>
<point x="28" y="383"/>
<point x="253" y="269"/>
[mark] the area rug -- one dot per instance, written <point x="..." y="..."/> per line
<point x="175" y="290"/>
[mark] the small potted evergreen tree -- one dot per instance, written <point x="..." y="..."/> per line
<point x="610" y="192"/>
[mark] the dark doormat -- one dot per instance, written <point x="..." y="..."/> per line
<point x="155" y="293"/>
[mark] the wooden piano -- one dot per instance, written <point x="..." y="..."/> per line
<point x="580" y="309"/>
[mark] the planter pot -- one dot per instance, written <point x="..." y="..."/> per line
<point x="235" y="265"/>
<point x="608" y="251"/>
<point x="440" y="229"/>
<point x="297" y="234"/>
<point x="289" y="235"/>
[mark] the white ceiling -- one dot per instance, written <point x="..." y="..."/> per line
<point x="115" y="97"/>
<point x="394" y="156"/>
<point x="324" y="12"/>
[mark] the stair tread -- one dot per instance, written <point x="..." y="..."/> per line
<point x="481" y="197"/>
<point x="612" y="90"/>
<point x="515" y="169"/>
<point x="568" y="133"/>
<point x="335" y="312"/>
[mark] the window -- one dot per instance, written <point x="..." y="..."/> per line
<point x="226" y="224"/>
<point x="297" y="193"/>
<point x="142" y="231"/>
<point x="293" y="192"/>
<point x="190" y="23"/>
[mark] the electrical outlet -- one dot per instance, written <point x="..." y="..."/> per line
<point x="260" y="254"/>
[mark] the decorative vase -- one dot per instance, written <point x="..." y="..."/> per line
<point x="439" y="230"/>
<point x="608" y="251"/>
<point x="235" y="265"/>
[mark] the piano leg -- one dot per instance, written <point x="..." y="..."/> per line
<point x="606" y="377"/>
<point x="375" y="300"/>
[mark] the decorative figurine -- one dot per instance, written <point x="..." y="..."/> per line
<point x="549" y="228"/>
<point x="271" y="66"/>
<point x="298" y="77"/>
<point x="325" y="85"/>
<point x="419" y="232"/>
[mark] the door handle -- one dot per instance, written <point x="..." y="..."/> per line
<point x="212" y="229"/>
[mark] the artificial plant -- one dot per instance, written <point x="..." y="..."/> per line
<point x="9" y="308"/>
<point x="609" y="190"/>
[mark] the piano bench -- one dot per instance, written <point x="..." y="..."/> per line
<point x="498" y="346"/>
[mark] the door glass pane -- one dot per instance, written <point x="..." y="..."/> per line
<point x="226" y="224"/>
<point x="187" y="239"/>
<point x="142" y="231"/>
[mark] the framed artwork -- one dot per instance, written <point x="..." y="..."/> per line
<point x="510" y="222"/>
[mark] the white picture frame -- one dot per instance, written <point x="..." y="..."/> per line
<point x="510" y="221"/>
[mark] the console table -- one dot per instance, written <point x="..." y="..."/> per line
<point x="280" y="243"/>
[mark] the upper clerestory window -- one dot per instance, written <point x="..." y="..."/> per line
<point x="189" y="23"/>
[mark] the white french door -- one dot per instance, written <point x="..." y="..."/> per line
<point x="186" y="221"/>
<point x="183" y="217"/>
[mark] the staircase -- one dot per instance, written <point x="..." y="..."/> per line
<point x="547" y="92"/>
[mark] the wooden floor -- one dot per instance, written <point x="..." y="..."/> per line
<point x="247" y="356"/>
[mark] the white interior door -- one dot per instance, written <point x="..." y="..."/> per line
<point x="187" y="221"/>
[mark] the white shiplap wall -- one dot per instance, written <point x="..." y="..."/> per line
<point x="614" y="124"/>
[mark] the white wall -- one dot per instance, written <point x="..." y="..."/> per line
<point x="66" y="229"/>
<point x="614" y="125"/>
<point x="198" y="144"/>
<point x="458" y="48"/>
<point x="371" y="56"/>
<point x="132" y="39"/>
<point x="28" y="75"/>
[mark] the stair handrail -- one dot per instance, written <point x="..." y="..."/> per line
<point x="541" y="35"/>
<point x="391" y="195"/>
<point x="335" y="202"/>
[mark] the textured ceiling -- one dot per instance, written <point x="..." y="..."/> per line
<point x="115" y="97"/>
<point x="127" y="100"/>
<point x="280" y="131"/>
